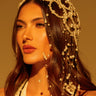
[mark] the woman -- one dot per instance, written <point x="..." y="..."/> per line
<point x="45" y="39"/>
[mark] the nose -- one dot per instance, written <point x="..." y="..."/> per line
<point x="27" y="35"/>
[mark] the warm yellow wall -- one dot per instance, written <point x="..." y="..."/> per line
<point x="87" y="46"/>
<point x="87" y="42"/>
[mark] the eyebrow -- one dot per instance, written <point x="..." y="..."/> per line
<point x="35" y="19"/>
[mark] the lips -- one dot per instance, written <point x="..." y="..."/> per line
<point x="28" y="49"/>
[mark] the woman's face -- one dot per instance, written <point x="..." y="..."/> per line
<point x="31" y="34"/>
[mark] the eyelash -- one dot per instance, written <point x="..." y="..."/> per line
<point x="40" y="24"/>
<point x="19" y="26"/>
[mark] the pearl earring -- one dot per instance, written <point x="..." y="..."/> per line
<point x="45" y="57"/>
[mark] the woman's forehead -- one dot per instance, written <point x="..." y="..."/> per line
<point x="30" y="10"/>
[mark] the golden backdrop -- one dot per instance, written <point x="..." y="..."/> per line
<point x="87" y="45"/>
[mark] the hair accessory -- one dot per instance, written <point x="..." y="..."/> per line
<point x="21" y="3"/>
<point x="71" y="23"/>
<point x="70" y="87"/>
<point x="70" y="16"/>
<point x="47" y="14"/>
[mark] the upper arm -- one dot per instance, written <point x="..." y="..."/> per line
<point x="1" y="92"/>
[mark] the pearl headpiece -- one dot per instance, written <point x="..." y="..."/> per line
<point x="69" y="15"/>
<point x="71" y="23"/>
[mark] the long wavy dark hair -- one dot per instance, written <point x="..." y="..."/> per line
<point x="58" y="67"/>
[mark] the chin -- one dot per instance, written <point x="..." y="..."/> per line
<point x="32" y="60"/>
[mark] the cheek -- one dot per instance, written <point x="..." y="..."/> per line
<point x="44" y="44"/>
<point x="43" y="40"/>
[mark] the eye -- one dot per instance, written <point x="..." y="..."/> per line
<point x="40" y="25"/>
<point x="18" y="27"/>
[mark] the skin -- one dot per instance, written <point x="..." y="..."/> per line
<point x="89" y="93"/>
<point x="1" y="92"/>
<point x="31" y="34"/>
<point x="31" y="30"/>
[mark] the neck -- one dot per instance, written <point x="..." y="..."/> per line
<point x="39" y="74"/>
<point x="38" y="81"/>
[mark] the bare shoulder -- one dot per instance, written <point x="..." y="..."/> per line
<point x="90" y="93"/>
<point x="86" y="93"/>
<point x="1" y="91"/>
